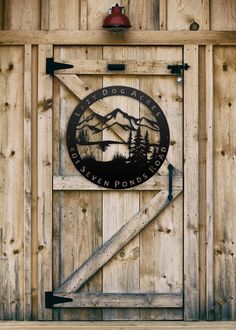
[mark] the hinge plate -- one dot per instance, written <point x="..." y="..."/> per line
<point x="52" y="66"/>
<point x="178" y="68"/>
<point x="51" y="300"/>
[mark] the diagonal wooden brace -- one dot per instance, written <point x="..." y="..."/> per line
<point x="78" y="87"/>
<point x="126" y="233"/>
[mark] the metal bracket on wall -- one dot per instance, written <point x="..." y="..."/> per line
<point x="52" y="66"/>
<point x="178" y="68"/>
<point x="51" y="300"/>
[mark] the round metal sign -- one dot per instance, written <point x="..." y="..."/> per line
<point x="127" y="158"/>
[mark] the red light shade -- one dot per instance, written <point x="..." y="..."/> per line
<point x="116" y="21"/>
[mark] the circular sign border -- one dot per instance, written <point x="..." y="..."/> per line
<point x="126" y="91"/>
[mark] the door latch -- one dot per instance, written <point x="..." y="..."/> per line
<point x="178" y="68"/>
<point x="116" y="67"/>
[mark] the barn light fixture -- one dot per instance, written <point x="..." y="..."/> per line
<point x="116" y="21"/>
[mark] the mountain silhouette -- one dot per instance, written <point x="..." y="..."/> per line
<point x="97" y="123"/>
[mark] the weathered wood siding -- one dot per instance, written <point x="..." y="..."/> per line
<point x="26" y="118"/>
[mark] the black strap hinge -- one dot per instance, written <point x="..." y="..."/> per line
<point x="52" y="66"/>
<point x="170" y="195"/>
<point x="177" y="69"/>
<point x="51" y="300"/>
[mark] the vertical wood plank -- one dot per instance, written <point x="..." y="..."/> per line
<point x="45" y="14"/>
<point x="64" y="15"/>
<point x="161" y="271"/>
<point x="122" y="273"/>
<point x="209" y="184"/>
<point x="163" y="14"/>
<point x="1" y="14"/>
<point x="34" y="182"/>
<point x="22" y="15"/>
<point x="223" y="15"/>
<point x="182" y="13"/>
<point x="83" y="14"/>
<point x="191" y="185"/>
<point x="97" y="11"/>
<point x="12" y="183"/>
<point x="202" y="181"/>
<point x="44" y="181"/>
<point x="144" y="15"/>
<point x="56" y="226"/>
<point x="224" y="182"/>
<point x="27" y="181"/>
<point x="206" y="15"/>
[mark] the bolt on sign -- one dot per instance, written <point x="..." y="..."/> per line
<point x="135" y="158"/>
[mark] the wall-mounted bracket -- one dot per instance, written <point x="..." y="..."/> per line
<point x="178" y="68"/>
<point x="52" y="66"/>
<point x="51" y="300"/>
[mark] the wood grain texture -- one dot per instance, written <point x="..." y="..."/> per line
<point x="223" y="15"/>
<point x="133" y="38"/>
<point x="224" y="183"/>
<point x="1" y="14"/>
<point x="143" y="15"/>
<point x="44" y="181"/>
<point x="191" y="186"/>
<point x="83" y="14"/>
<point x="34" y="182"/>
<point x="45" y="14"/>
<point x="97" y="10"/>
<point x="64" y="15"/>
<point x="27" y="181"/>
<point x="119" y="325"/>
<point x="163" y="14"/>
<point x="132" y="67"/>
<point x="206" y="14"/>
<point x="116" y="242"/>
<point x="121" y="274"/>
<point x="202" y="181"/>
<point x="157" y="182"/>
<point x="22" y="15"/>
<point x="156" y="274"/>
<point x="78" y="230"/>
<point x="122" y="300"/>
<point x="209" y="184"/>
<point x="182" y="13"/>
<point x="12" y="183"/>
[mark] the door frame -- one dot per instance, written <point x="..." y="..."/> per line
<point x="191" y="183"/>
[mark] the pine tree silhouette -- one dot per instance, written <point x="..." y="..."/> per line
<point x="130" y="142"/>
<point x="138" y="149"/>
<point x="147" y="146"/>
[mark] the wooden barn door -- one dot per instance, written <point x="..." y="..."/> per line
<point x="119" y="254"/>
